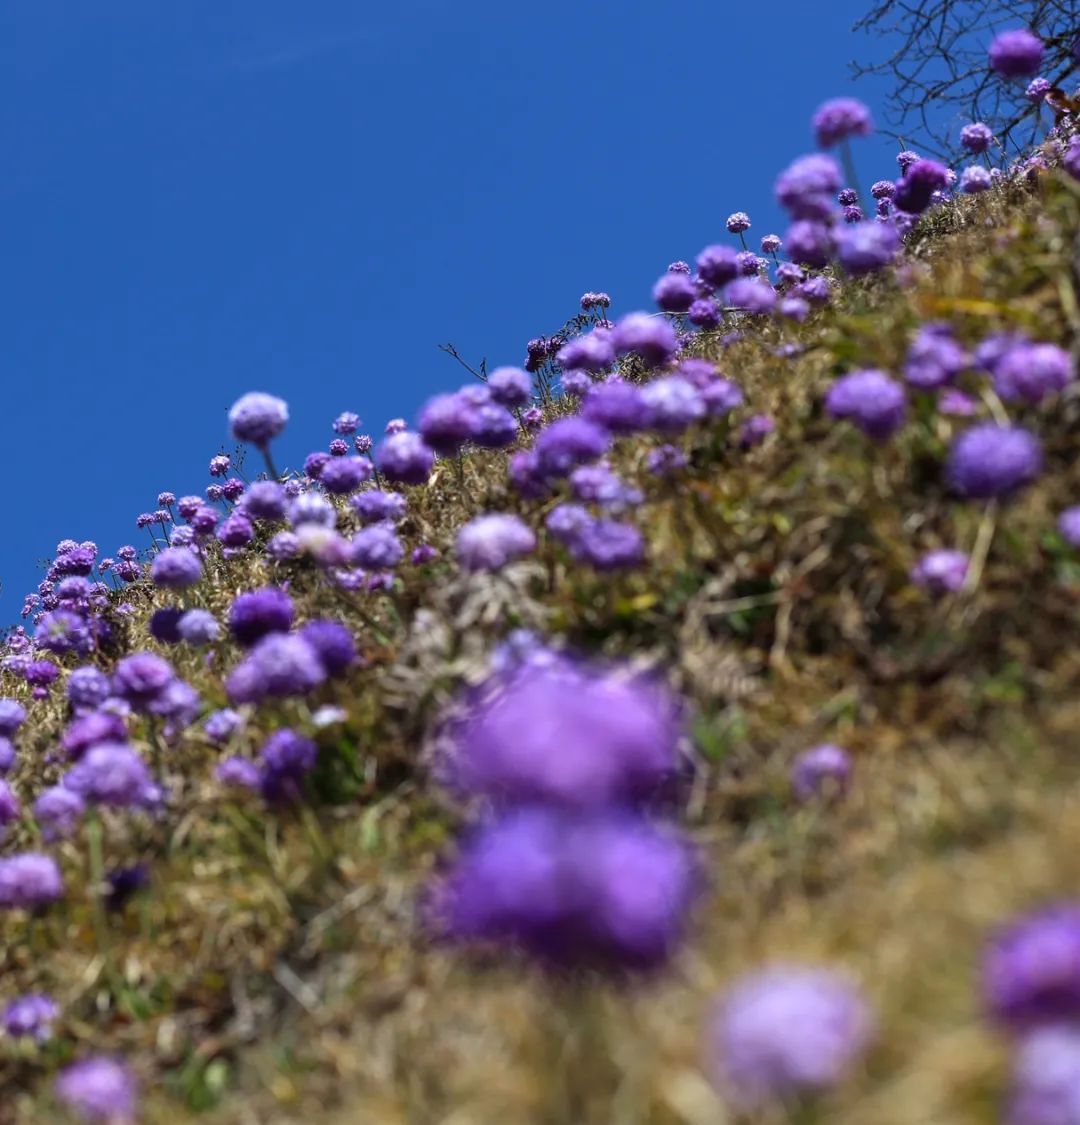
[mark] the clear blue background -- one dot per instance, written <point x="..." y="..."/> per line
<point x="206" y="198"/>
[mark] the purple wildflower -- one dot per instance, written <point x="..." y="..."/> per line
<point x="823" y="770"/>
<point x="865" y="247"/>
<point x="141" y="678"/>
<point x="29" y="880"/>
<point x="649" y="337"/>
<point x="176" y="568"/>
<point x="870" y="400"/>
<point x="99" y="1089"/>
<point x="30" y="1017"/>
<point x="405" y="458"/>
<point x="113" y="774"/>
<point x="840" y="118"/>
<point x="738" y="222"/>
<point x="976" y="137"/>
<point x="1016" y="54"/>
<point x="258" y="418"/>
<point x="490" y="542"/>
<point x="807" y="186"/>
<point x="1032" y="371"/>
<point x="989" y="460"/>
<point x="941" y="571"/>
<point x="255" y="614"/>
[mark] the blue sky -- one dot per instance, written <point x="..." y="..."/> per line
<point x="206" y="198"/>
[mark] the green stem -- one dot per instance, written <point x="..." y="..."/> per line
<point x="96" y="859"/>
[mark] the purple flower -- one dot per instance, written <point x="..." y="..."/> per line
<point x="283" y="546"/>
<point x="840" y="118"/>
<point x="1046" y="1078"/>
<point x="755" y="430"/>
<point x="58" y="811"/>
<point x="286" y="758"/>
<point x="346" y="423"/>
<point x="608" y="545"/>
<point x="29" y="880"/>
<point x="934" y="357"/>
<point x="794" y="308"/>
<point x="490" y="542"/>
<point x="989" y="460"/>
<point x="954" y="402"/>
<point x="821" y="771"/>
<point x="1016" y="54"/>
<point x="863" y="248"/>
<point x="7" y="755"/>
<point x="12" y="716"/>
<point x="113" y="774"/>
<point x="717" y="265"/>
<point x="332" y="642"/>
<point x="671" y="404"/>
<point x="446" y="423"/>
<point x="495" y="427"/>
<point x="870" y="400"/>
<point x="345" y="474"/>
<point x="787" y="1031"/>
<point x="374" y="506"/>
<point x="705" y="314"/>
<point x="258" y="418"/>
<point x="89" y="730"/>
<point x="674" y="292"/>
<point x="141" y="678"/>
<point x="771" y="243"/>
<point x="606" y="891"/>
<point x="255" y="614"/>
<point x="617" y="406"/>
<point x="280" y="665"/>
<point x="99" y="1089"/>
<point x="976" y="137"/>
<point x="1069" y="526"/>
<point x="31" y="1017"/>
<point x="176" y="568"/>
<point x="975" y="179"/>
<point x="915" y="191"/>
<point x="1031" y="969"/>
<point x="598" y="484"/>
<point x="807" y="186"/>
<point x="405" y="459"/>
<point x="221" y="725"/>
<point x="665" y="461"/>
<point x="809" y="243"/>
<point x="567" y="443"/>
<point x="239" y="772"/>
<point x="220" y="464"/>
<point x="738" y="222"/>
<point x="650" y="337"/>
<point x="941" y="572"/>
<point x="510" y="386"/>
<point x="1032" y="371"/>
<point x="377" y="547"/>
<point x="592" y="352"/>
<point x="567" y="734"/>
<point x="164" y="624"/>
<point x="751" y="295"/>
<point x="63" y="630"/>
<point x="1037" y="90"/>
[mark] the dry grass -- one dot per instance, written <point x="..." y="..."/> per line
<point x="275" y="971"/>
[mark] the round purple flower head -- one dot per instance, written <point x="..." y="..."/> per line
<point x="567" y="443"/>
<point x="672" y="403"/>
<point x="941" y="572"/>
<point x="840" y="118"/>
<point x="650" y="337"/>
<point x="31" y="1017"/>
<point x="1046" y="1078"/>
<point x="771" y="243"/>
<point x="176" y="568"/>
<point x="446" y="423"/>
<point x="12" y="716"/>
<point x="567" y="734"/>
<point x="346" y="423"/>
<point x="821" y="771"/>
<point x="975" y="179"/>
<point x="58" y="811"/>
<point x="864" y="247"/>
<point x="1031" y="969"/>
<point x="377" y="547"/>
<point x="1069" y="526"/>
<point x="87" y="687"/>
<point x="198" y="627"/>
<point x="332" y="642"/>
<point x="809" y="243"/>
<point x="606" y="891"/>
<point x="934" y="357"/>
<point x="10" y="809"/>
<point x="255" y="614"/>
<point x="755" y="430"/>
<point x="608" y="545"/>
<point x="286" y="758"/>
<point x="90" y="729"/>
<point x="280" y="665"/>
<point x="238" y="772"/>
<point x="617" y="406"/>
<point x="751" y="295"/>
<point x="258" y="418"/>
<point x="976" y="137"/>
<point x="989" y="460"/>
<point x="592" y="352"/>
<point x="1016" y="54"/>
<point x="113" y="774"/>
<point x="717" y="265"/>
<point x="1033" y="371"/>
<point x="704" y="313"/>
<point x="914" y="193"/>
<point x="141" y="678"/>
<point x="510" y="386"/>
<point x="787" y="1031"/>
<point x="29" y="880"/>
<point x="1037" y="90"/>
<point x="806" y="188"/>
<point x="405" y="458"/>
<point x="99" y="1089"/>
<point x="491" y="542"/>
<point x="738" y="222"/>
<point x="235" y="530"/>
<point x="674" y="292"/>
<point x="345" y="474"/>
<point x="870" y="400"/>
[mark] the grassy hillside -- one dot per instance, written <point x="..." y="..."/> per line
<point x="276" y="964"/>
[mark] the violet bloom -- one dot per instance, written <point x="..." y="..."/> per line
<point x="870" y="400"/>
<point x="567" y="734"/>
<point x="1031" y="969"/>
<point x="787" y="1031"/>
<point x="255" y="614"/>
<point x="198" y="627"/>
<point x="665" y="461"/>
<point x="567" y="443"/>
<point x="30" y="1017"/>
<point x="934" y="357"/>
<point x="496" y="427"/>
<point x="821" y="771"/>
<point x="883" y="189"/>
<point x="593" y="352"/>
<point x="1037" y="90"/>
<point x="99" y="1089"/>
<point x="809" y="243"/>
<point x="755" y="430"/>
<point x="90" y="730"/>
<point x="29" y="880"/>
<point x="333" y="644"/>
<point x="10" y="809"/>
<point x="287" y="758"/>
<point x="989" y="460"/>
<point x="280" y="665"/>
<point x="718" y="265"/>
<point x="975" y="179"/>
<point x="405" y="458"/>
<point x="914" y="193"/>
<point x="956" y="403"/>
<point x="840" y="118"/>
<point x="771" y="243"/>
<point x="258" y="418"/>
<point x="7" y="755"/>
<point x="221" y="725"/>
<point x="674" y="292"/>
<point x="651" y="338"/>
<point x="794" y="308"/>
<point x="738" y="222"/>
<point x="608" y="545"/>
<point x="751" y="295"/>
<point x="238" y="773"/>
<point x="346" y="423"/>
<point x="446" y="423"/>
<point x="141" y="678"/>
<point x="510" y="387"/>
<point x="114" y="775"/>
<point x="705" y="314"/>
<point x="807" y="186"/>
<point x="976" y="137"/>
<point x="176" y="568"/>
<point x="866" y="247"/>
<point x="1016" y="54"/>
<point x="490" y="542"/>
<point x="672" y="404"/>
<point x="941" y="572"/>
<point x="1033" y="371"/>
<point x="345" y="474"/>
<point x="375" y="505"/>
<point x="58" y="811"/>
<point x="607" y="891"/>
<point x="12" y="716"/>
<point x="377" y="547"/>
<point x="1069" y="526"/>
<point x="1046" y="1078"/>
<point x="617" y="406"/>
